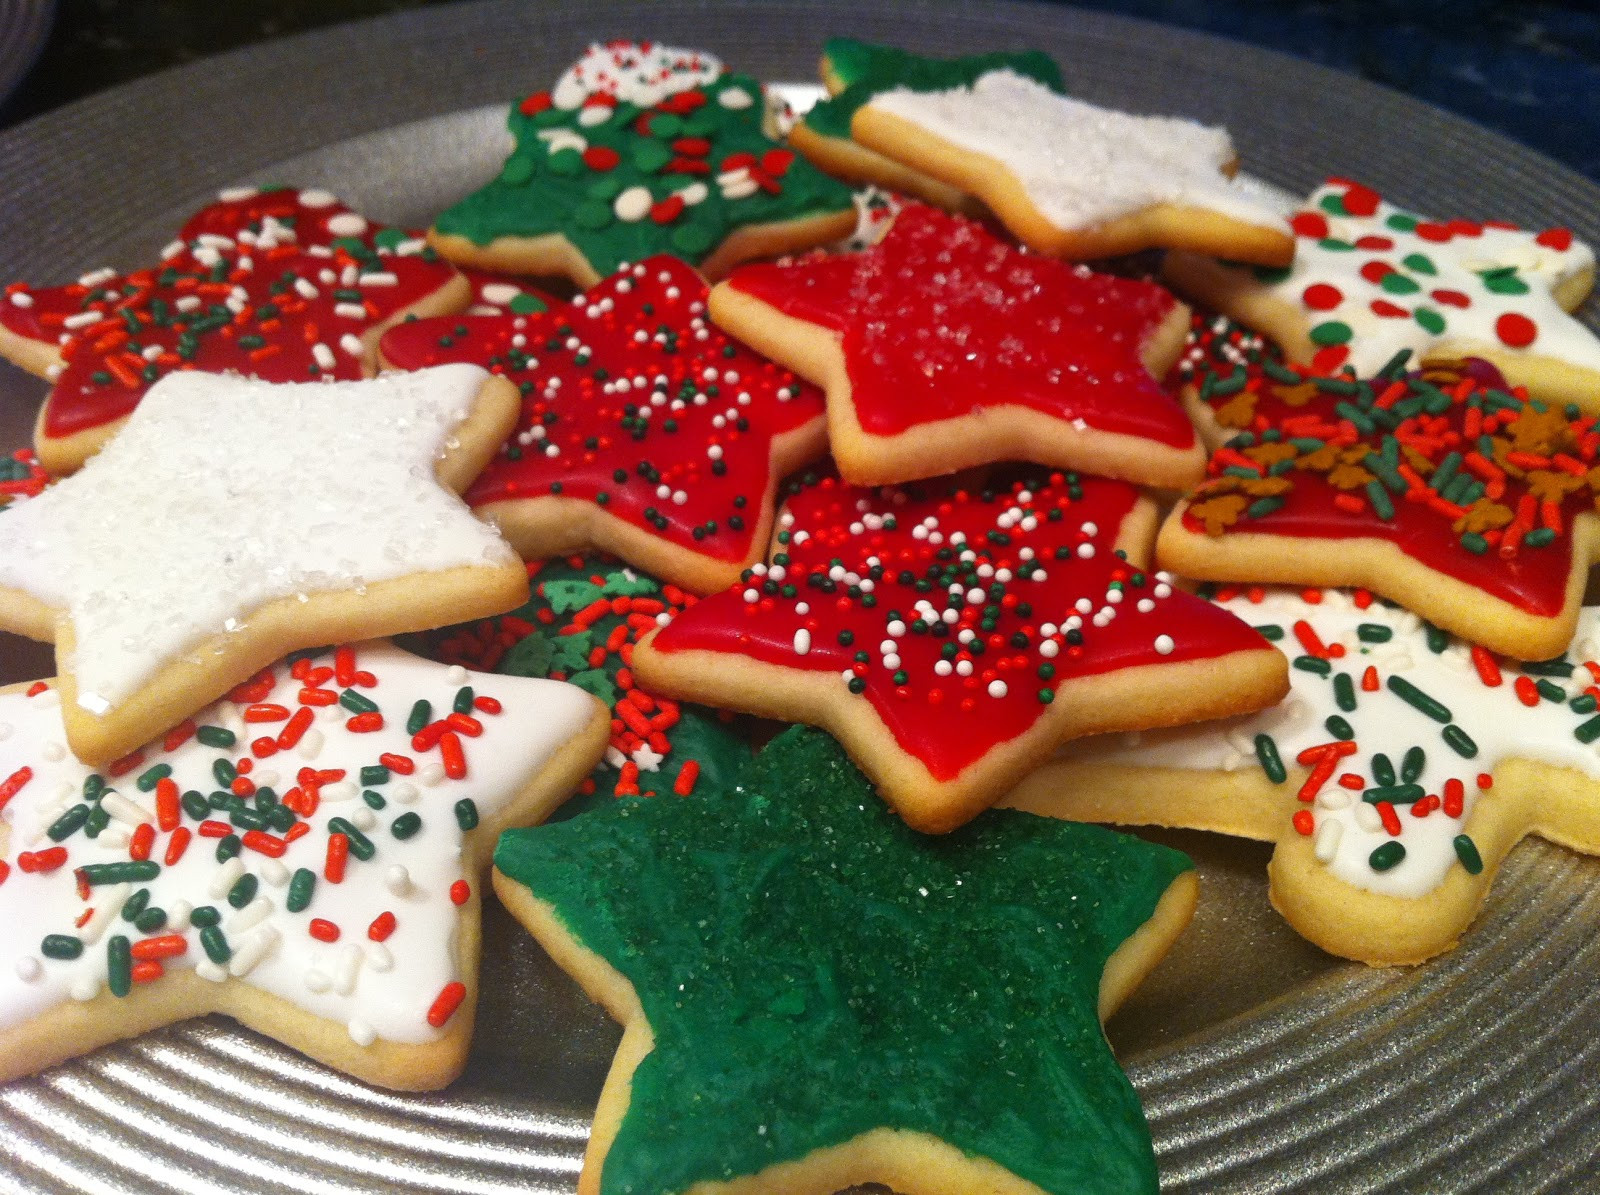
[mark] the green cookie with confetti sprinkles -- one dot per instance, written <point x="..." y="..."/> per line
<point x="580" y="626"/>
<point x="815" y="996"/>
<point x="642" y="149"/>
<point x="1404" y="766"/>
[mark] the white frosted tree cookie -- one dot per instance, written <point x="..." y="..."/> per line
<point x="1066" y="177"/>
<point x="1370" y="279"/>
<point x="302" y="856"/>
<point x="1395" y="778"/>
<point x="234" y="520"/>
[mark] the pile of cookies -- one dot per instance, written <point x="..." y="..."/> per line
<point x="698" y="420"/>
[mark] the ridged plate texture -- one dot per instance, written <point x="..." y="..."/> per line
<point x="1263" y="1065"/>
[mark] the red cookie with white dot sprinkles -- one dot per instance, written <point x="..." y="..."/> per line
<point x="1370" y="279"/>
<point x="645" y="431"/>
<point x="303" y="856"/>
<point x="952" y="637"/>
<point x="279" y="284"/>
<point x="943" y="346"/>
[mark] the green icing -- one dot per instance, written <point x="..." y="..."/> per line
<point x="540" y="192"/>
<point x="812" y="969"/>
<point x="868" y="69"/>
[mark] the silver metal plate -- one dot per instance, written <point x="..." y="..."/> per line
<point x="1264" y="1065"/>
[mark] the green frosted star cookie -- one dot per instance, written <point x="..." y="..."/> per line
<point x="642" y="149"/>
<point x="815" y="995"/>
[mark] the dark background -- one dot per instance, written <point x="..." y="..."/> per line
<point x="1529" y="70"/>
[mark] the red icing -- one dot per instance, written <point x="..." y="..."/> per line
<point x="1516" y="330"/>
<point x="1360" y="201"/>
<point x="104" y="377"/>
<point x="643" y="324"/>
<point x="950" y="722"/>
<point x="1424" y="527"/>
<point x="1309" y="224"/>
<point x="1319" y="296"/>
<point x="942" y="318"/>
<point x="1559" y="239"/>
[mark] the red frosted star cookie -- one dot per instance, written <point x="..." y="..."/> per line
<point x="943" y="347"/>
<point x="645" y="431"/>
<point x="1443" y="490"/>
<point x="951" y="638"/>
<point x="284" y="285"/>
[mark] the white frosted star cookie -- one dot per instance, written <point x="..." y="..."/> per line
<point x="1370" y="279"/>
<point x="234" y="520"/>
<point x="1402" y="768"/>
<point x="302" y="856"/>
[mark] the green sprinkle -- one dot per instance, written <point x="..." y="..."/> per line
<point x="467" y="808"/>
<point x="1474" y="543"/>
<point x="228" y="846"/>
<point x="1412" y="764"/>
<point x="1539" y="537"/>
<point x="1467" y="852"/>
<point x="1262" y="507"/>
<point x="68" y="824"/>
<point x="215" y="945"/>
<point x="463" y="700"/>
<point x="1270" y="631"/>
<point x="224" y="773"/>
<point x="204" y="917"/>
<point x="373" y="800"/>
<point x="1438" y="640"/>
<point x="375" y="774"/>
<point x="135" y="871"/>
<point x="1583" y="703"/>
<point x="1382" y="769"/>
<point x="1460" y="741"/>
<point x="135" y="904"/>
<point x="1418" y="700"/>
<point x="1374" y="632"/>
<point x="1344" y="692"/>
<point x="195" y="805"/>
<point x="356" y="703"/>
<point x="1378" y="497"/>
<point x="1550" y="691"/>
<point x="150" y="777"/>
<point x="243" y="890"/>
<point x="1589" y="731"/>
<point x="1395" y="794"/>
<point x="301" y="885"/>
<point x="360" y="845"/>
<point x="421" y="714"/>
<point x="405" y="825"/>
<point x="151" y="920"/>
<point x="62" y="946"/>
<point x="119" y="965"/>
<point x="1313" y="664"/>
<point x="1339" y="728"/>
<point x="1557" y="667"/>
<point x="1386" y="856"/>
<point x="1331" y="332"/>
<point x="1430" y="321"/>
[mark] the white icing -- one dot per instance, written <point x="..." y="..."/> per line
<point x="1495" y="718"/>
<point x="1082" y="165"/>
<point x="272" y="948"/>
<point x="222" y="494"/>
<point x="640" y="73"/>
<point x="1377" y="338"/>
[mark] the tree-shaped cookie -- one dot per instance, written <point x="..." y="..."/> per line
<point x="580" y="625"/>
<point x="952" y="635"/>
<point x="1444" y="489"/>
<point x="1370" y="279"/>
<point x="234" y="520"/>
<point x="280" y="284"/>
<point x="303" y="856"/>
<point x="1066" y="177"/>
<point x="815" y="996"/>
<point x="643" y="149"/>
<point x="943" y="346"/>
<point x="1402" y="768"/>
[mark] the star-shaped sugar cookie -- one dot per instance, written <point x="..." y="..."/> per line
<point x="853" y="71"/>
<point x="1370" y="279"/>
<point x="1442" y="489"/>
<point x="279" y="284"/>
<point x="643" y="149"/>
<point x="580" y="625"/>
<point x="1400" y="771"/>
<point x="944" y="346"/>
<point x="952" y="637"/>
<point x="1066" y="177"/>
<point x="303" y="856"/>
<point x="645" y="431"/>
<point x="234" y="520"/>
<point x="815" y="996"/>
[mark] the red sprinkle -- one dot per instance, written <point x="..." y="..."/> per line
<point x="1304" y="821"/>
<point x="448" y="1000"/>
<point x="338" y="855"/>
<point x="323" y="931"/>
<point x="42" y="861"/>
<point x="382" y="926"/>
<point x="165" y="946"/>
<point x="177" y="844"/>
<point x="141" y="842"/>
<point x="460" y="892"/>
<point x="267" y="844"/>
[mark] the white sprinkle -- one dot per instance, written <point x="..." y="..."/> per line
<point x="29" y="968"/>
<point x="324" y="356"/>
<point x="247" y="918"/>
<point x="254" y="949"/>
<point x="361" y="1033"/>
<point x="347" y="224"/>
<point x="85" y="988"/>
<point x="315" y="980"/>
<point x="397" y="880"/>
<point x="347" y="967"/>
<point x="997" y="688"/>
<point x="21" y="299"/>
<point x="632" y="205"/>
<point x="225" y="877"/>
<point x="1165" y="645"/>
<point x="802" y="642"/>
<point x="317" y="199"/>
<point x="379" y="957"/>
<point x="305" y="288"/>
<point x="1326" y="843"/>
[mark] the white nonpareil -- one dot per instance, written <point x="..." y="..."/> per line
<point x="223" y="494"/>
